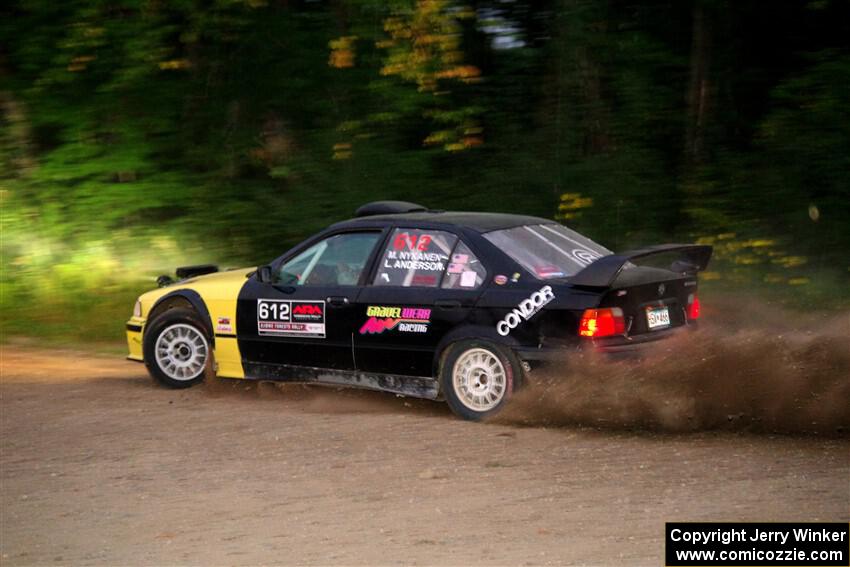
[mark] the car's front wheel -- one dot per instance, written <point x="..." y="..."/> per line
<point x="477" y="378"/>
<point x="177" y="349"/>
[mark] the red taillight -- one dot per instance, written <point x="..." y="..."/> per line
<point x="693" y="306"/>
<point x="602" y="323"/>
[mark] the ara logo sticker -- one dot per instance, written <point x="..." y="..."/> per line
<point x="526" y="309"/>
<point x="403" y="319"/>
<point x="307" y="311"/>
<point x="223" y="325"/>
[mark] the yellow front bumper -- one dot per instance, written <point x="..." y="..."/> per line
<point x="135" y="328"/>
<point x="227" y="357"/>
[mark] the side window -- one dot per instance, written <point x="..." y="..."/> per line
<point x="464" y="271"/>
<point x="336" y="260"/>
<point x="415" y="258"/>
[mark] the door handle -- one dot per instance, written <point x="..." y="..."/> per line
<point x="337" y="300"/>
<point x="447" y="304"/>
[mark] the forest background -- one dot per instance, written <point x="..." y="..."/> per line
<point x="136" y="136"/>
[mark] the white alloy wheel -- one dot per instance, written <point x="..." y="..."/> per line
<point x="181" y="352"/>
<point x="479" y="379"/>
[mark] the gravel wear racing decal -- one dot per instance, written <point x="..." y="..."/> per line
<point x="284" y="318"/>
<point x="526" y="310"/>
<point x="403" y="319"/>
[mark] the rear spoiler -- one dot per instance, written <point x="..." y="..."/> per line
<point x="604" y="271"/>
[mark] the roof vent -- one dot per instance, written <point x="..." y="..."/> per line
<point x="388" y="208"/>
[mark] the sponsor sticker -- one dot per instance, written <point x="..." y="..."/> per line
<point x="467" y="279"/>
<point x="308" y="311"/>
<point x="584" y="257"/>
<point x="223" y="325"/>
<point x="285" y="318"/>
<point x="424" y="279"/>
<point x="526" y="309"/>
<point x="500" y="279"/>
<point x="403" y="319"/>
<point x="549" y="271"/>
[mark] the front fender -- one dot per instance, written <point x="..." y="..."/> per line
<point x="197" y="302"/>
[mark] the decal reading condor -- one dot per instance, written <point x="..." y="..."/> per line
<point x="404" y="319"/>
<point x="526" y="310"/>
<point x="284" y="318"/>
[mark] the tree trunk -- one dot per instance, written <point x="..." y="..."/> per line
<point x="700" y="90"/>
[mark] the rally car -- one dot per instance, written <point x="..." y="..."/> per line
<point x="457" y="306"/>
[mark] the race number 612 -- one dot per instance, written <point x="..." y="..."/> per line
<point x="412" y="242"/>
<point x="268" y="310"/>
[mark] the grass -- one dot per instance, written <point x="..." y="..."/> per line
<point x="88" y="319"/>
<point x="82" y="293"/>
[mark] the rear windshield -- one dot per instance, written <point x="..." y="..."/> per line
<point x="547" y="250"/>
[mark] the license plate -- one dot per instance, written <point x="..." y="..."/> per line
<point x="657" y="317"/>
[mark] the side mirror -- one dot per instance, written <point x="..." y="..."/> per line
<point x="264" y="274"/>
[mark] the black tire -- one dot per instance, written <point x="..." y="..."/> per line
<point x="460" y="404"/>
<point x="177" y="321"/>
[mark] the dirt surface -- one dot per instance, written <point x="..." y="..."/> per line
<point x="101" y="466"/>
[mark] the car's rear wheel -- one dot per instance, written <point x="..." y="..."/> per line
<point x="177" y="349"/>
<point x="477" y="378"/>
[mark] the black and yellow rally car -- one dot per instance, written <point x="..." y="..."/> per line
<point x="441" y="305"/>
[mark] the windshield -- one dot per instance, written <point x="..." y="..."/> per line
<point x="548" y="250"/>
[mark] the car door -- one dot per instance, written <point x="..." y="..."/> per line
<point x="425" y="283"/>
<point x="306" y="315"/>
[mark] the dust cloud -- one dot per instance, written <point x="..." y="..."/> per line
<point x="750" y="367"/>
